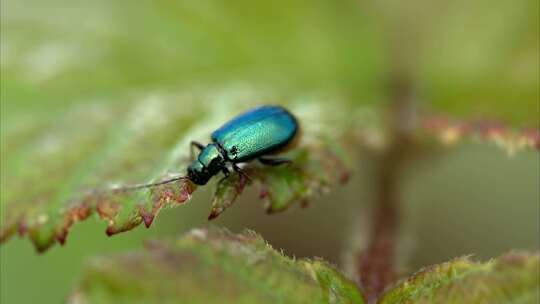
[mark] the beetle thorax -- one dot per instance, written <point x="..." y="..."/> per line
<point x="210" y="157"/>
<point x="209" y="163"/>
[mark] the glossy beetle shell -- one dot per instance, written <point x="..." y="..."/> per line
<point x="255" y="133"/>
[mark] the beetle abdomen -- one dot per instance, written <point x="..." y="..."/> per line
<point x="257" y="132"/>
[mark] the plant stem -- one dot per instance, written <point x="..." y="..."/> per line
<point x="376" y="264"/>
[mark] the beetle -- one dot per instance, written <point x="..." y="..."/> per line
<point x="256" y="134"/>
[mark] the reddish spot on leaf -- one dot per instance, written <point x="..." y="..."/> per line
<point x="263" y="193"/>
<point x="106" y="209"/>
<point x="533" y="136"/>
<point x="23" y="228"/>
<point x="345" y="176"/>
<point x="450" y="131"/>
<point x="176" y="193"/>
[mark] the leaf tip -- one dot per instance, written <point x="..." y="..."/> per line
<point x="214" y="213"/>
<point x="42" y="247"/>
<point x="147" y="217"/>
<point x="61" y="237"/>
<point x="110" y="231"/>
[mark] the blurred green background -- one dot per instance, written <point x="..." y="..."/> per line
<point x="465" y="59"/>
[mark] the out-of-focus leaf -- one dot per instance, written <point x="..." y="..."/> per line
<point x="511" y="278"/>
<point x="465" y="62"/>
<point x="212" y="266"/>
<point x="56" y="60"/>
<point x="450" y="131"/>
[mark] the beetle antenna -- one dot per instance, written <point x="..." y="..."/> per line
<point x="149" y="185"/>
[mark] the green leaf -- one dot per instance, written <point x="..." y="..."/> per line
<point x="66" y="132"/>
<point x="85" y="155"/>
<point x="212" y="266"/>
<point x="226" y="193"/>
<point x="63" y="167"/>
<point x="511" y="278"/>
<point x="315" y="168"/>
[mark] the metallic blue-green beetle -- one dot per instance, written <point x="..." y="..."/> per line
<point x="252" y="135"/>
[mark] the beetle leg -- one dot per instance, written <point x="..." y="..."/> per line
<point x="225" y="172"/>
<point x="197" y="145"/>
<point x="221" y="180"/>
<point x="270" y="161"/>
<point x="240" y="172"/>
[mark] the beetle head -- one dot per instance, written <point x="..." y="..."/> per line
<point x="197" y="173"/>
